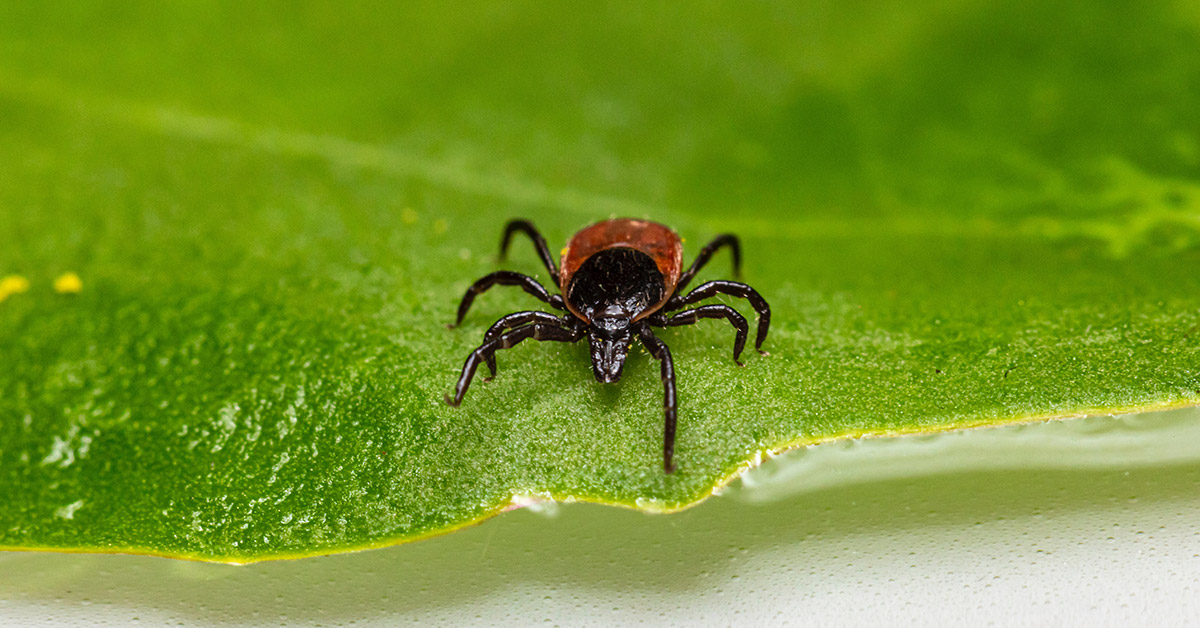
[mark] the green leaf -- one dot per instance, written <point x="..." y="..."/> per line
<point x="960" y="215"/>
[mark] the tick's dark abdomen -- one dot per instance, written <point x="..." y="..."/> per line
<point x="618" y="276"/>
<point x="651" y="240"/>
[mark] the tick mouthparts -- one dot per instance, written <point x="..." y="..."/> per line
<point x="608" y="358"/>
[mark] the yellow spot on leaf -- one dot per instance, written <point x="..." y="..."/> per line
<point x="408" y="216"/>
<point x="13" y="284"/>
<point x="440" y="226"/>
<point x="68" y="283"/>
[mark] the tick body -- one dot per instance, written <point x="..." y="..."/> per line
<point x="618" y="279"/>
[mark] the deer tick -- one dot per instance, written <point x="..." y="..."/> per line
<point x="619" y="278"/>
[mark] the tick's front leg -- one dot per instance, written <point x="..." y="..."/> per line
<point x="537" y="331"/>
<point x="517" y="319"/>
<point x="687" y="317"/>
<point x="659" y="350"/>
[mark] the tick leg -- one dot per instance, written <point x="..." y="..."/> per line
<point x="733" y="288"/>
<point x="659" y="350"/>
<point x="539" y="243"/>
<point x="515" y="320"/>
<point x="506" y="278"/>
<point x="706" y="253"/>
<point x="713" y="311"/>
<point x="537" y="331"/>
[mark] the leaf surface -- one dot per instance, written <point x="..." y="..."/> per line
<point x="961" y="215"/>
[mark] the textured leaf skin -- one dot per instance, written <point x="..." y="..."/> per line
<point x="961" y="216"/>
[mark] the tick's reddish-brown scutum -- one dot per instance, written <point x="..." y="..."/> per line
<point x="658" y="241"/>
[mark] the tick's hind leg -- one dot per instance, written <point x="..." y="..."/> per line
<point x="713" y="288"/>
<point x="539" y="243"/>
<point x="712" y="311"/>
<point x="537" y="331"/>
<point x="505" y="278"/>
<point x="706" y="253"/>
<point x="517" y="319"/>
<point x="659" y="350"/>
